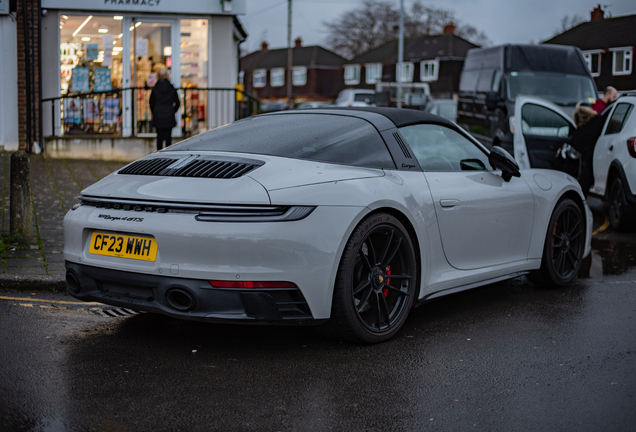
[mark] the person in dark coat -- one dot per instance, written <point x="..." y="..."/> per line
<point x="589" y="128"/>
<point x="164" y="103"/>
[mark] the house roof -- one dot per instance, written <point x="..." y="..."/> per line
<point x="301" y="56"/>
<point x="416" y="49"/>
<point x="599" y="34"/>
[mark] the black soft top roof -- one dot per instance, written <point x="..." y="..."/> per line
<point x="398" y="116"/>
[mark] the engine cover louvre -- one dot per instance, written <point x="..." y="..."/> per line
<point x="229" y="168"/>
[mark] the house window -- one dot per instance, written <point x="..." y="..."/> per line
<point x="373" y="73"/>
<point x="241" y="77"/>
<point x="277" y="77"/>
<point x="407" y="72"/>
<point x="428" y="70"/>
<point x="622" y="61"/>
<point x="352" y="74"/>
<point x="299" y="76"/>
<point x="593" y="61"/>
<point x="260" y="77"/>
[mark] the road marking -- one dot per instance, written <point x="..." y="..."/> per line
<point x="603" y="227"/>
<point x="48" y="301"/>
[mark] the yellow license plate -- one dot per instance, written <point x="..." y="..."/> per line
<point x="124" y="246"/>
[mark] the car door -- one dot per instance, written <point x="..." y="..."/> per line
<point x="483" y="220"/>
<point x="540" y="128"/>
<point x="610" y="145"/>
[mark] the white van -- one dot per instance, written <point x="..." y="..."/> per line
<point x="356" y="98"/>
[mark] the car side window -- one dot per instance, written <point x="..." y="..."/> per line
<point x="541" y="121"/>
<point x="619" y="118"/>
<point x="441" y="149"/>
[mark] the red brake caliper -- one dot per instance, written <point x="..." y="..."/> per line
<point x="385" y="291"/>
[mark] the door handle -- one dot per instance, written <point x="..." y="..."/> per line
<point x="448" y="203"/>
<point x="611" y="148"/>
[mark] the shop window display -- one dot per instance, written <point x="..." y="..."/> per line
<point x="194" y="73"/>
<point x="90" y="63"/>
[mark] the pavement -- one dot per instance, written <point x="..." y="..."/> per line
<point x="55" y="186"/>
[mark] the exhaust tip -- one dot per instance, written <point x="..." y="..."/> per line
<point x="72" y="282"/>
<point x="180" y="299"/>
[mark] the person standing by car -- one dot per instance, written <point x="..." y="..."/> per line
<point x="588" y="128"/>
<point x="609" y="96"/>
<point x="164" y="103"/>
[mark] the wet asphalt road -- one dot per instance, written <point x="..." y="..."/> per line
<point x="507" y="357"/>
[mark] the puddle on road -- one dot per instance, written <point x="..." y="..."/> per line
<point x="608" y="258"/>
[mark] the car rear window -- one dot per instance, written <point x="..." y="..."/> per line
<point x="364" y="97"/>
<point x="317" y="137"/>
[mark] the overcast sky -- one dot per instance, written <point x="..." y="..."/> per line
<point x="503" y="21"/>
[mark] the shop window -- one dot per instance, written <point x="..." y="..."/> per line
<point x="260" y="77"/>
<point x="428" y="70"/>
<point x="277" y="77"/>
<point x="352" y="74"/>
<point x="193" y="45"/>
<point x="299" y="76"/>
<point x="622" y="61"/>
<point x="88" y="43"/>
<point x="373" y="73"/>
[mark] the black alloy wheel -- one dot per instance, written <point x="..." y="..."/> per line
<point x="376" y="282"/>
<point x="564" y="244"/>
<point x="620" y="212"/>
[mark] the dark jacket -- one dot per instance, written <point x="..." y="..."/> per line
<point x="164" y="103"/>
<point x="584" y="140"/>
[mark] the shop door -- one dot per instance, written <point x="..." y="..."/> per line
<point x="152" y="45"/>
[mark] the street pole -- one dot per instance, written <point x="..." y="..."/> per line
<point x="289" y="53"/>
<point x="400" y="55"/>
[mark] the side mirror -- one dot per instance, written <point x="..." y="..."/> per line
<point x="492" y="97"/>
<point x="501" y="159"/>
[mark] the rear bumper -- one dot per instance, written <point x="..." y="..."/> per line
<point x="190" y="299"/>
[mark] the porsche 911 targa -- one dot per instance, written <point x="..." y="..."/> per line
<point x="342" y="218"/>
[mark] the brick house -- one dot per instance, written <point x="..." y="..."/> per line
<point x="433" y="60"/>
<point x="608" y="48"/>
<point x="316" y="73"/>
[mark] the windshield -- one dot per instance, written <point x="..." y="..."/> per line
<point x="316" y="137"/>
<point x="562" y="89"/>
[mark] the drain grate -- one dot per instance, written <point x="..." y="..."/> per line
<point x="114" y="313"/>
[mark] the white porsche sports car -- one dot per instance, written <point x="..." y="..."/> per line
<point x="347" y="218"/>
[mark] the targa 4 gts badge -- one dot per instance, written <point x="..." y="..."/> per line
<point x="116" y="218"/>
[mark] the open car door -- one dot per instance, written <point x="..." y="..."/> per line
<point x="540" y="129"/>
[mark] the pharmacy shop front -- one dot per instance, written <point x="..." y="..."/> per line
<point x="101" y="58"/>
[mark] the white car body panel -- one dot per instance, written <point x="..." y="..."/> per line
<point x="613" y="147"/>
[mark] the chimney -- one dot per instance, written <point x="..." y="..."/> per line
<point x="597" y="13"/>
<point x="264" y="46"/>
<point x="449" y="28"/>
<point x="298" y="42"/>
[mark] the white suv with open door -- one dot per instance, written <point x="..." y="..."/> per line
<point x="545" y="128"/>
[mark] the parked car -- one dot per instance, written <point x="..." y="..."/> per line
<point x="309" y="105"/>
<point x="266" y="107"/>
<point x="615" y="163"/>
<point x="356" y="98"/>
<point x="446" y="108"/>
<point x="343" y="218"/>
<point x="492" y="78"/>
<point x="541" y="128"/>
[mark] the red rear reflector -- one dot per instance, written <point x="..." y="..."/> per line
<point x="250" y="284"/>
<point x="631" y="147"/>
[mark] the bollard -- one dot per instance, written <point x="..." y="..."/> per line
<point x="21" y="217"/>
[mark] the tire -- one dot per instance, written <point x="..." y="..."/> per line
<point x="376" y="282"/>
<point x="564" y="245"/>
<point x="621" y="214"/>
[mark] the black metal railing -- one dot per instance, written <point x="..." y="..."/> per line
<point x="104" y="114"/>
